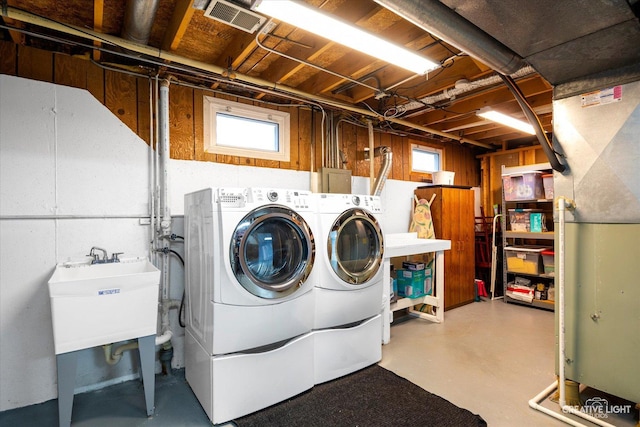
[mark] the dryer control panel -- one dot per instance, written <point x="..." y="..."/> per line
<point x="336" y="203"/>
<point x="297" y="199"/>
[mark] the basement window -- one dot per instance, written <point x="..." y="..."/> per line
<point x="425" y="159"/>
<point x="235" y="129"/>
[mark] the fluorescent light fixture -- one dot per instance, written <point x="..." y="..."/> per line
<point x="316" y="22"/>
<point x="506" y="120"/>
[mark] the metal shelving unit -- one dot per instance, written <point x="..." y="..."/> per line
<point x="509" y="237"/>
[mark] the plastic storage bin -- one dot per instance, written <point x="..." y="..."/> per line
<point x="523" y="186"/>
<point x="525" y="259"/>
<point x="548" y="261"/>
<point x="547" y="183"/>
<point x="527" y="220"/>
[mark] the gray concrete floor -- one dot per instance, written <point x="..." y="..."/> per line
<point x="488" y="357"/>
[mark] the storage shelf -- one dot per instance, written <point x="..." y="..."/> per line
<point x="544" y="304"/>
<point x="544" y="276"/>
<point x="545" y="238"/>
<point x="545" y="235"/>
<point x="529" y="201"/>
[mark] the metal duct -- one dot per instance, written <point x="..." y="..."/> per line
<point x="138" y="19"/>
<point x="384" y="170"/>
<point x="437" y="19"/>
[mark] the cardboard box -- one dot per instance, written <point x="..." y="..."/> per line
<point x="409" y="265"/>
<point x="414" y="283"/>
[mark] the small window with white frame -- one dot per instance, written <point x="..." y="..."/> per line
<point x="425" y="159"/>
<point x="236" y="129"/>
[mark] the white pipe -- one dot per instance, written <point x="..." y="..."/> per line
<point x="534" y="403"/>
<point x="164" y="338"/>
<point x="561" y="333"/>
<point x="163" y="136"/>
<point x="494" y="259"/>
<point x="152" y="175"/>
<point x="165" y="222"/>
<point x="371" y="158"/>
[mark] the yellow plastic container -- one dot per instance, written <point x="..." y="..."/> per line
<point x="525" y="259"/>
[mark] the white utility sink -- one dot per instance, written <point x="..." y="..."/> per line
<point x="96" y="304"/>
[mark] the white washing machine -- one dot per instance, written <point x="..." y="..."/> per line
<point x="349" y="287"/>
<point x="250" y="254"/>
<point x="350" y="248"/>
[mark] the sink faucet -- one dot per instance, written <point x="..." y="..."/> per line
<point x="105" y="259"/>
<point x="96" y="258"/>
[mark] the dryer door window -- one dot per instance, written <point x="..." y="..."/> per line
<point x="355" y="246"/>
<point x="272" y="252"/>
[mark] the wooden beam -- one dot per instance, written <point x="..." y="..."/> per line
<point x="17" y="36"/>
<point x="178" y="25"/>
<point x="98" y="19"/>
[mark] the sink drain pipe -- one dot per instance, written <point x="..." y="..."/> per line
<point x="160" y="225"/>
<point x="165" y="221"/>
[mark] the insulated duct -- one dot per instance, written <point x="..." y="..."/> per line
<point x="448" y="94"/>
<point x="437" y="19"/>
<point x="138" y="20"/>
<point x="535" y="122"/>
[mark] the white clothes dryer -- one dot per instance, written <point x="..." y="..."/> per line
<point x="249" y="302"/>
<point x="350" y="249"/>
<point x="250" y="253"/>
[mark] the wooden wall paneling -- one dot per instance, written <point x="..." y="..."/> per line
<point x="507" y="159"/>
<point x="293" y="139"/>
<point x="96" y="81"/>
<point x="362" y="140"/>
<point x="8" y="58"/>
<point x="319" y="130"/>
<point x="349" y="145"/>
<point x="397" y="144"/>
<point x="406" y="159"/>
<point x="198" y="128"/>
<point x="303" y="139"/>
<point x="181" y="121"/>
<point x="485" y="199"/>
<point x="121" y="97"/>
<point x="35" y="64"/>
<point x="70" y="71"/>
<point x="540" y="157"/>
<point x="143" y="110"/>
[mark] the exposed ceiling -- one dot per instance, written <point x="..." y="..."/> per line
<point x="550" y="42"/>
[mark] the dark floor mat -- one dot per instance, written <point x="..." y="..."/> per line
<point x="372" y="396"/>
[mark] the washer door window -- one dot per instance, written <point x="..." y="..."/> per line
<point x="355" y="246"/>
<point x="272" y="251"/>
